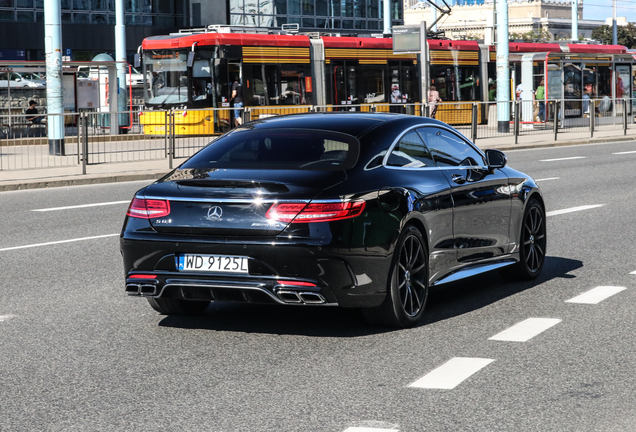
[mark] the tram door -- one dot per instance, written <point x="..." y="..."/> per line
<point x="222" y="122"/>
<point x="223" y="77"/>
<point x="343" y="83"/>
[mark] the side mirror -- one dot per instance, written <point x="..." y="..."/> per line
<point x="496" y="159"/>
<point x="137" y="61"/>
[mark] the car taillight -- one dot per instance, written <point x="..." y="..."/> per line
<point x="148" y="208"/>
<point x="314" y="212"/>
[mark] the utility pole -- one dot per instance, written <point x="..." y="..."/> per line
<point x="614" y="29"/>
<point x="120" y="56"/>
<point x="54" y="95"/>
<point x="575" y="20"/>
<point x="503" y="72"/>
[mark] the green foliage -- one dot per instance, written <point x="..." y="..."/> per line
<point x="536" y="35"/>
<point x="626" y="35"/>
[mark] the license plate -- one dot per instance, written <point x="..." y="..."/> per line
<point x="212" y="263"/>
<point x="160" y="128"/>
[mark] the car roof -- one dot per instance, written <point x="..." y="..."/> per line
<point x="351" y="123"/>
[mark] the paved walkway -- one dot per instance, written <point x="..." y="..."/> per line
<point x="150" y="170"/>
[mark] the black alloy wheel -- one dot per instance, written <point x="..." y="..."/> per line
<point x="532" y="244"/>
<point x="407" y="284"/>
<point x="533" y="238"/>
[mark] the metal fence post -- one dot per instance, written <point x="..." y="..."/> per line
<point x="171" y="140"/>
<point x="165" y="133"/>
<point x="516" y="126"/>
<point x="84" y="144"/>
<point x="555" y="118"/>
<point x="473" y="128"/>
<point x="592" y="117"/>
<point x="624" y="117"/>
<point x="247" y="115"/>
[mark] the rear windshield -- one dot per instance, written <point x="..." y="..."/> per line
<point x="305" y="149"/>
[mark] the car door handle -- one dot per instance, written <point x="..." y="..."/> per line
<point x="459" y="179"/>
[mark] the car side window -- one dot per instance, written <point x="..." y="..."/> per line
<point x="449" y="149"/>
<point x="410" y="152"/>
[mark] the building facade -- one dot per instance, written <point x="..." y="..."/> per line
<point x="346" y="16"/>
<point x="550" y="19"/>
<point x="87" y="26"/>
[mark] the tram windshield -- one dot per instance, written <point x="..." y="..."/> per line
<point x="166" y="77"/>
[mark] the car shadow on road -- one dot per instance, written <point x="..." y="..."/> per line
<point x="445" y="302"/>
<point x="462" y="297"/>
<point x="314" y="321"/>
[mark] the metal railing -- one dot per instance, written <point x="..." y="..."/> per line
<point x="144" y="135"/>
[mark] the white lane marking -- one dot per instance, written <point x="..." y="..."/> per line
<point x="452" y="373"/>
<point x="81" y="206"/>
<point x="596" y="295"/>
<point x="627" y="152"/>
<point x="6" y="317"/>
<point x="634" y="272"/>
<point x="573" y="209"/>
<point x="368" y="429"/>
<point x="562" y="159"/>
<point x="57" y="242"/>
<point x="549" y="178"/>
<point x="526" y="330"/>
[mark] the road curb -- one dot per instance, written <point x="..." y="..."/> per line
<point x="564" y="143"/>
<point x="78" y="181"/>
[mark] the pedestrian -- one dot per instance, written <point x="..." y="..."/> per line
<point x="540" y="97"/>
<point x="519" y="90"/>
<point x="396" y="97"/>
<point x="237" y="98"/>
<point x="433" y="99"/>
<point x="35" y="119"/>
<point x="586" y="100"/>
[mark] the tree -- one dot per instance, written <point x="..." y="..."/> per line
<point x="626" y="35"/>
<point x="535" y="35"/>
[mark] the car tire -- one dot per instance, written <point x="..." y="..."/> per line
<point x="177" y="306"/>
<point x="407" y="285"/>
<point x="532" y="244"/>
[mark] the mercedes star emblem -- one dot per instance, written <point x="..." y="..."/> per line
<point x="214" y="213"/>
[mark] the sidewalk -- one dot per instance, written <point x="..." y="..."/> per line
<point x="151" y="170"/>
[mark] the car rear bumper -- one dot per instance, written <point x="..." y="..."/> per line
<point x="292" y="274"/>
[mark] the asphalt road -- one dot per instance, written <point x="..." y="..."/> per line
<point x="77" y="354"/>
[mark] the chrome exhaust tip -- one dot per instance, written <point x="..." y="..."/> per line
<point x="289" y="296"/>
<point x="298" y="297"/>
<point x="133" y="289"/>
<point x="148" y="290"/>
<point x="312" y="298"/>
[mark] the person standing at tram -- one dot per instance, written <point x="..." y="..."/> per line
<point x="540" y="96"/>
<point x="237" y="98"/>
<point x="433" y="100"/>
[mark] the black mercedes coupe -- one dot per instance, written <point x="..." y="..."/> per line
<point x="358" y="210"/>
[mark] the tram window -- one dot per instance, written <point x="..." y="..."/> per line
<point x="372" y="84"/>
<point x="604" y="81"/>
<point x="554" y="81"/>
<point x="572" y="80"/>
<point x="168" y="77"/>
<point x="292" y="83"/>
<point x="200" y="79"/>
<point x="264" y="87"/>
<point x="455" y="83"/>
